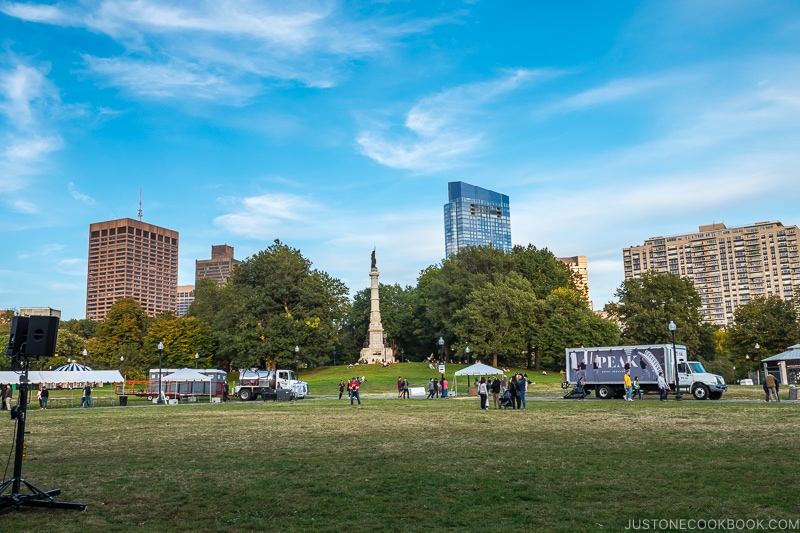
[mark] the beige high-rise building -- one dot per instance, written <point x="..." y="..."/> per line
<point x="131" y="259"/>
<point x="185" y="298"/>
<point x="219" y="267"/>
<point x="579" y="266"/>
<point x="728" y="266"/>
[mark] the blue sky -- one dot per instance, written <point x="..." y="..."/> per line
<point x="335" y="127"/>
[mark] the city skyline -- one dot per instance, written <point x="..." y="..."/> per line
<point x="336" y="126"/>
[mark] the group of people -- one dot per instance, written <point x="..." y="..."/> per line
<point x="516" y="387"/>
<point x="352" y="387"/>
<point x="435" y="388"/>
<point x="402" y="388"/>
<point x="634" y="388"/>
<point x="43" y="396"/>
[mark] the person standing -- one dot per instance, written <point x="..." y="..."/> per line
<point x="406" y="392"/>
<point x="444" y="387"/>
<point x="496" y="392"/>
<point x="6" y="396"/>
<point x="39" y="397"/>
<point x="399" y="386"/>
<point x="225" y="391"/>
<point x="45" y="396"/>
<point x="772" y="388"/>
<point x="354" y="391"/>
<point x="662" y="387"/>
<point x="523" y="388"/>
<point x="430" y="389"/>
<point x="483" y="393"/>
<point x="637" y="387"/>
<point x="628" y="386"/>
<point x="87" y="396"/>
<point x="513" y="388"/>
<point x="435" y="387"/>
<point x="341" y="388"/>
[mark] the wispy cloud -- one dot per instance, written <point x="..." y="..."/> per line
<point x="84" y="198"/>
<point x="208" y="48"/>
<point x="443" y="131"/>
<point x="27" y="102"/>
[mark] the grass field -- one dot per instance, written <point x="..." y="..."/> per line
<point x="409" y="465"/>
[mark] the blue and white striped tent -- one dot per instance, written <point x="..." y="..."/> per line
<point x="72" y="367"/>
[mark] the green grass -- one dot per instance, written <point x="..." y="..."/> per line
<point x="417" y="465"/>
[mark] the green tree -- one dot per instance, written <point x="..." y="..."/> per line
<point x="647" y="305"/>
<point x="495" y="319"/>
<point x="275" y="301"/>
<point x="123" y="332"/>
<point x="563" y="320"/>
<point x="769" y="321"/>
<point x="183" y="337"/>
<point x="85" y="328"/>
<point x="541" y="268"/>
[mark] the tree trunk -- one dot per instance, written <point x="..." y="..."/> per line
<point x="494" y="360"/>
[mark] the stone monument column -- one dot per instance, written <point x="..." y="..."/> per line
<point x="376" y="352"/>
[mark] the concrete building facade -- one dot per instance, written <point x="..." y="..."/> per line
<point x="474" y="216"/>
<point x="580" y="267"/>
<point x="131" y="259"/>
<point x="185" y="298"/>
<point x="219" y="267"/>
<point x="728" y="266"/>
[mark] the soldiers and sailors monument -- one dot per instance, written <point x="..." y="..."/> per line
<point x="375" y="351"/>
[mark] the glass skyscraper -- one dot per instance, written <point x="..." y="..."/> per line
<point x="475" y="217"/>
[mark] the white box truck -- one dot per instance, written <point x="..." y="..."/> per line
<point x="603" y="369"/>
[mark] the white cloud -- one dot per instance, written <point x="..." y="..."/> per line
<point x="442" y="131"/>
<point x="84" y="198"/>
<point x="210" y="49"/>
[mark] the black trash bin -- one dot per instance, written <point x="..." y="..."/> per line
<point x="123" y="401"/>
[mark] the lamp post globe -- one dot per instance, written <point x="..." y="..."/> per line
<point x="296" y="362"/>
<point x="466" y="350"/>
<point x="160" y="400"/>
<point x="678" y="395"/>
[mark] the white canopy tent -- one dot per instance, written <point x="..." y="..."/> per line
<point x="64" y="376"/>
<point x="190" y="375"/>
<point x="478" y="369"/>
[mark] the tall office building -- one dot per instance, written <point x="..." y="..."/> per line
<point x="131" y="259"/>
<point x="728" y="266"/>
<point x="219" y="267"/>
<point x="185" y="298"/>
<point x="475" y="217"/>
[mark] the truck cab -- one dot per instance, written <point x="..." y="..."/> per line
<point x="703" y="385"/>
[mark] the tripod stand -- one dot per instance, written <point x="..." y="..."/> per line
<point x="36" y="497"/>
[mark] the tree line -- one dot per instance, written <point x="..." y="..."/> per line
<point x="519" y="308"/>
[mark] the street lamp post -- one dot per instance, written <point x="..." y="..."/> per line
<point x="466" y="350"/>
<point x="403" y="355"/>
<point x="122" y="360"/>
<point x="758" y="368"/>
<point x="441" y="349"/>
<point x="160" y="400"/>
<point x="196" y="359"/>
<point x="85" y="353"/>
<point x="334" y="357"/>
<point x="297" y="362"/>
<point x="678" y="395"/>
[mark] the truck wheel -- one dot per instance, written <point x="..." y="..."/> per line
<point x="149" y="398"/>
<point x="715" y="395"/>
<point x="700" y="392"/>
<point x="244" y="395"/>
<point x="604" y="392"/>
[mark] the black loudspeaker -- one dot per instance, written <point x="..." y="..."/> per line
<point x="41" y="339"/>
<point x="19" y="330"/>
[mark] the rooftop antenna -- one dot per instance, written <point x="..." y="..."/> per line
<point x="140" y="205"/>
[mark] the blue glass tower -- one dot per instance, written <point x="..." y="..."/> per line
<point x="475" y="217"/>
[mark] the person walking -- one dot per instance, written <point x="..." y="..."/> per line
<point x="496" y="392"/>
<point x="354" y="391"/>
<point x="628" y="386"/>
<point x="87" y="396"/>
<point x="772" y="388"/>
<point x="482" y="392"/>
<point x="430" y="389"/>
<point x="435" y="387"/>
<point x="662" y="387"/>
<point x="341" y="388"/>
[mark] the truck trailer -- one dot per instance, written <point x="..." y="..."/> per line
<point x="603" y="369"/>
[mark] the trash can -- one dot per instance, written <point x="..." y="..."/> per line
<point x="123" y="401"/>
<point x="793" y="392"/>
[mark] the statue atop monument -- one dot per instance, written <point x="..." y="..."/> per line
<point x="373" y="259"/>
